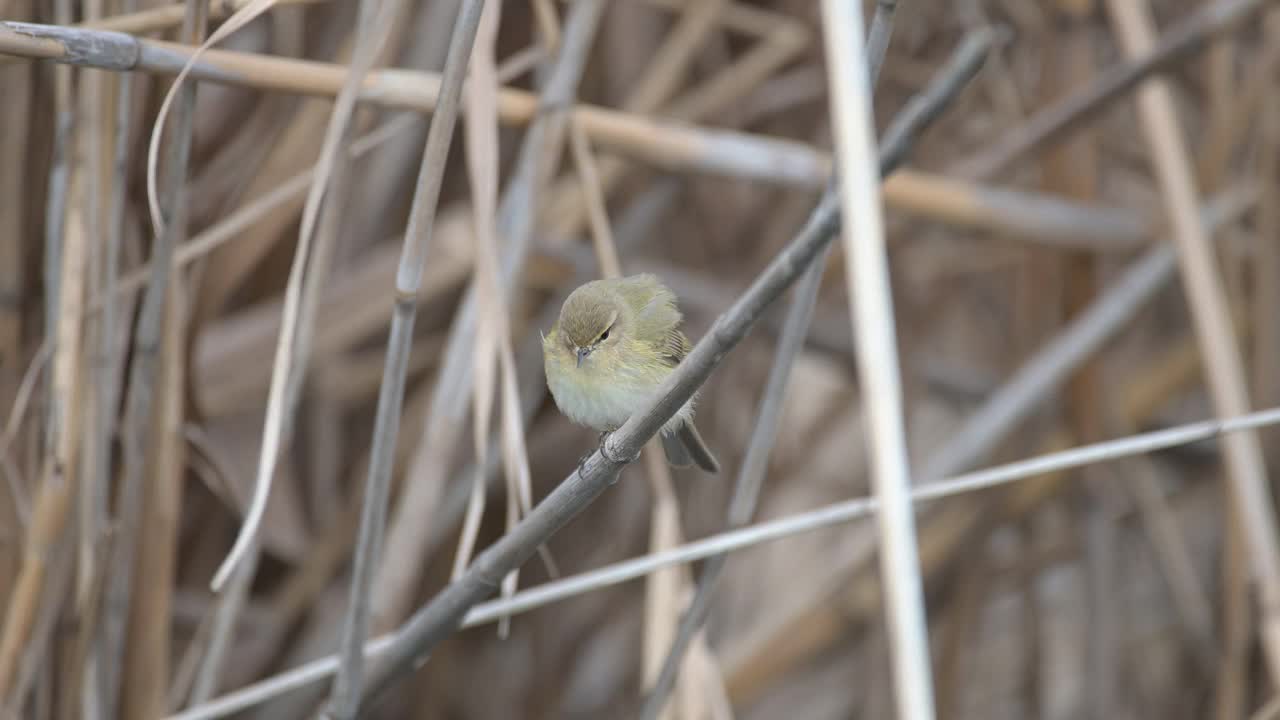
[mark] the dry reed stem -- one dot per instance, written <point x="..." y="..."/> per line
<point x="1005" y="408"/>
<point x="110" y="361"/>
<point x="1219" y="71"/>
<point x="721" y="217"/>
<point x="228" y="228"/>
<point x="163" y="17"/>
<point x="66" y="260"/>
<point x="764" y="431"/>
<point x="667" y="144"/>
<point x="146" y="656"/>
<point x="148" y="338"/>
<point x="93" y="495"/>
<point x="144" y="679"/>
<point x="290" y="362"/>
<point x="225" y="271"/>
<point x="1265" y="275"/>
<point x="1053" y="123"/>
<point x="14" y="124"/>
<point x="589" y="180"/>
<point x="1058" y="357"/>
<point x="664" y="591"/>
<point x="481" y="154"/>
<point x="34" y="656"/>
<point x="751" y="535"/>
<point x="658" y="86"/>
<point x="347" y="691"/>
<point x="440" y="617"/>
<point x="876" y="349"/>
<point x="493" y="333"/>
<point x="539" y="152"/>
<point x="544" y="14"/>
<point x="671" y="60"/>
<point x="356" y="301"/>
<point x="1212" y="317"/>
<point x="1072" y="167"/>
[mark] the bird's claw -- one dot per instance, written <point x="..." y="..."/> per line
<point x="604" y="436"/>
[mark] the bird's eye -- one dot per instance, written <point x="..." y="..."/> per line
<point x="604" y="335"/>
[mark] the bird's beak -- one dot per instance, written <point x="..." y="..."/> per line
<point x="583" y="352"/>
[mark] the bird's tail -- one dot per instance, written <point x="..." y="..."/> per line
<point x="685" y="447"/>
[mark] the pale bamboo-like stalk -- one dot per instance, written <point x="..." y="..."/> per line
<point x="1246" y="469"/>
<point x="750" y="536"/>
<point x="101" y="394"/>
<point x="871" y="304"/>
<point x="764" y="433"/>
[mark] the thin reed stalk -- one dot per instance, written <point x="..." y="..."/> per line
<point x="750" y="536"/>
<point x="345" y="700"/>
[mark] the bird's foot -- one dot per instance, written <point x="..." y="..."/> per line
<point x="604" y="436"/>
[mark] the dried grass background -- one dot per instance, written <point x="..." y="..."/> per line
<point x="133" y="418"/>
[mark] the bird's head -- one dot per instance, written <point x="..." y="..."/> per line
<point x="592" y="320"/>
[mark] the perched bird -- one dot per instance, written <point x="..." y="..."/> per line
<point x="616" y="340"/>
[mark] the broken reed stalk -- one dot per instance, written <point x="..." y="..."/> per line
<point x="345" y="699"/>
<point x="442" y="615"/>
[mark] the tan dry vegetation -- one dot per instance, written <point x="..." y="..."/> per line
<point x="136" y="368"/>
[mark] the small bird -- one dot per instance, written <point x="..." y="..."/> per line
<point x="616" y="340"/>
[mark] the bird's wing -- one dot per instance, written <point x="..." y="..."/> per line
<point x="658" y="316"/>
<point x="674" y="347"/>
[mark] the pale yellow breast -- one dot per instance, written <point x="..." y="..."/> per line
<point x="604" y="401"/>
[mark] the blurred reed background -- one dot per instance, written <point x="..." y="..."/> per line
<point x="1075" y="257"/>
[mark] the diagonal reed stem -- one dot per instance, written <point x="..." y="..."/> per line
<point x="441" y="617"/>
